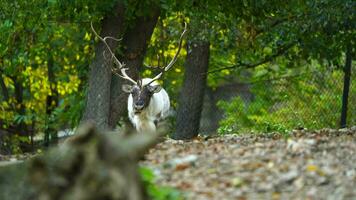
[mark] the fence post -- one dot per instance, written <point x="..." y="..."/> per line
<point x="345" y="94"/>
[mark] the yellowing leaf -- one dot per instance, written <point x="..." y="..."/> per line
<point x="87" y="36"/>
<point x="86" y="49"/>
<point x="225" y="71"/>
<point x="237" y="182"/>
<point x="312" y="168"/>
<point x="38" y="59"/>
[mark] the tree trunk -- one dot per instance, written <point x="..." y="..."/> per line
<point x="345" y="94"/>
<point x="4" y="91"/>
<point x="191" y="96"/>
<point x="135" y="41"/>
<point x="21" y="127"/>
<point x="51" y="104"/>
<point x="98" y="97"/>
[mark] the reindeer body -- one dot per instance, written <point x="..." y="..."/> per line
<point x="157" y="109"/>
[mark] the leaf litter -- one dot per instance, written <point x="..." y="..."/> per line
<point x="306" y="165"/>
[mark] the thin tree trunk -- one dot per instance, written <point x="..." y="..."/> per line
<point x="4" y="91"/>
<point x="98" y="97"/>
<point x="135" y="41"/>
<point x="345" y="94"/>
<point x="21" y="127"/>
<point x="51" y="103"/>
<point x="192" y="94"/>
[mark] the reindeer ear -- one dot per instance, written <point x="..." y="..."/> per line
<point x="127" y="88"/>
<point x="154" y="88"/>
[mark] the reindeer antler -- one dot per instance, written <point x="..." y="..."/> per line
<point x="121" y="66"/>
<point x="174" y="59"/>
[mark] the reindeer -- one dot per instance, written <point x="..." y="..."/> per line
<point x="148" y="103"/>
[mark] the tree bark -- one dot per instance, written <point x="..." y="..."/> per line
<point x="135" y="41"/>
<point x="191" y="96"/>
<point x="4" y="91"/>
<point x="345" y="94"/>
<point x="21" y="127"/>
<point x="98" y="97"/>
<point x="51" y="104"/>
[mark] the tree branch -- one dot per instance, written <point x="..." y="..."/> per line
<point x="266" y="59"/>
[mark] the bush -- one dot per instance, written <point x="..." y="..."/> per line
<point x="156" y="192"/>
<point x="308" y="101"/>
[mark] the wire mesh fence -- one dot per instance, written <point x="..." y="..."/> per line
<point x="310" y="100"/>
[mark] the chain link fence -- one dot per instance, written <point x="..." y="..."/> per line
<point x="311" y="100"/>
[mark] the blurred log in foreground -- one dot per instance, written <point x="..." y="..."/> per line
<point x="89" y="166"/>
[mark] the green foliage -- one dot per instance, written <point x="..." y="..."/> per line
<point x="311" y="100"/>
<point x="12" y="144"/>
<point x="83" y="10"/>
<point x="158" y="192"/>
<point x="41" y="57"/>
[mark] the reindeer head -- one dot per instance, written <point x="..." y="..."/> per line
<point x="141" y="94"/>
<point x="141" y="90"/>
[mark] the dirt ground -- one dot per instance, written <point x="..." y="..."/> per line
<point x="306" y="165"/>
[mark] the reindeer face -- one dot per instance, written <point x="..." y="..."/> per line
<point x="141" y="96"/>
